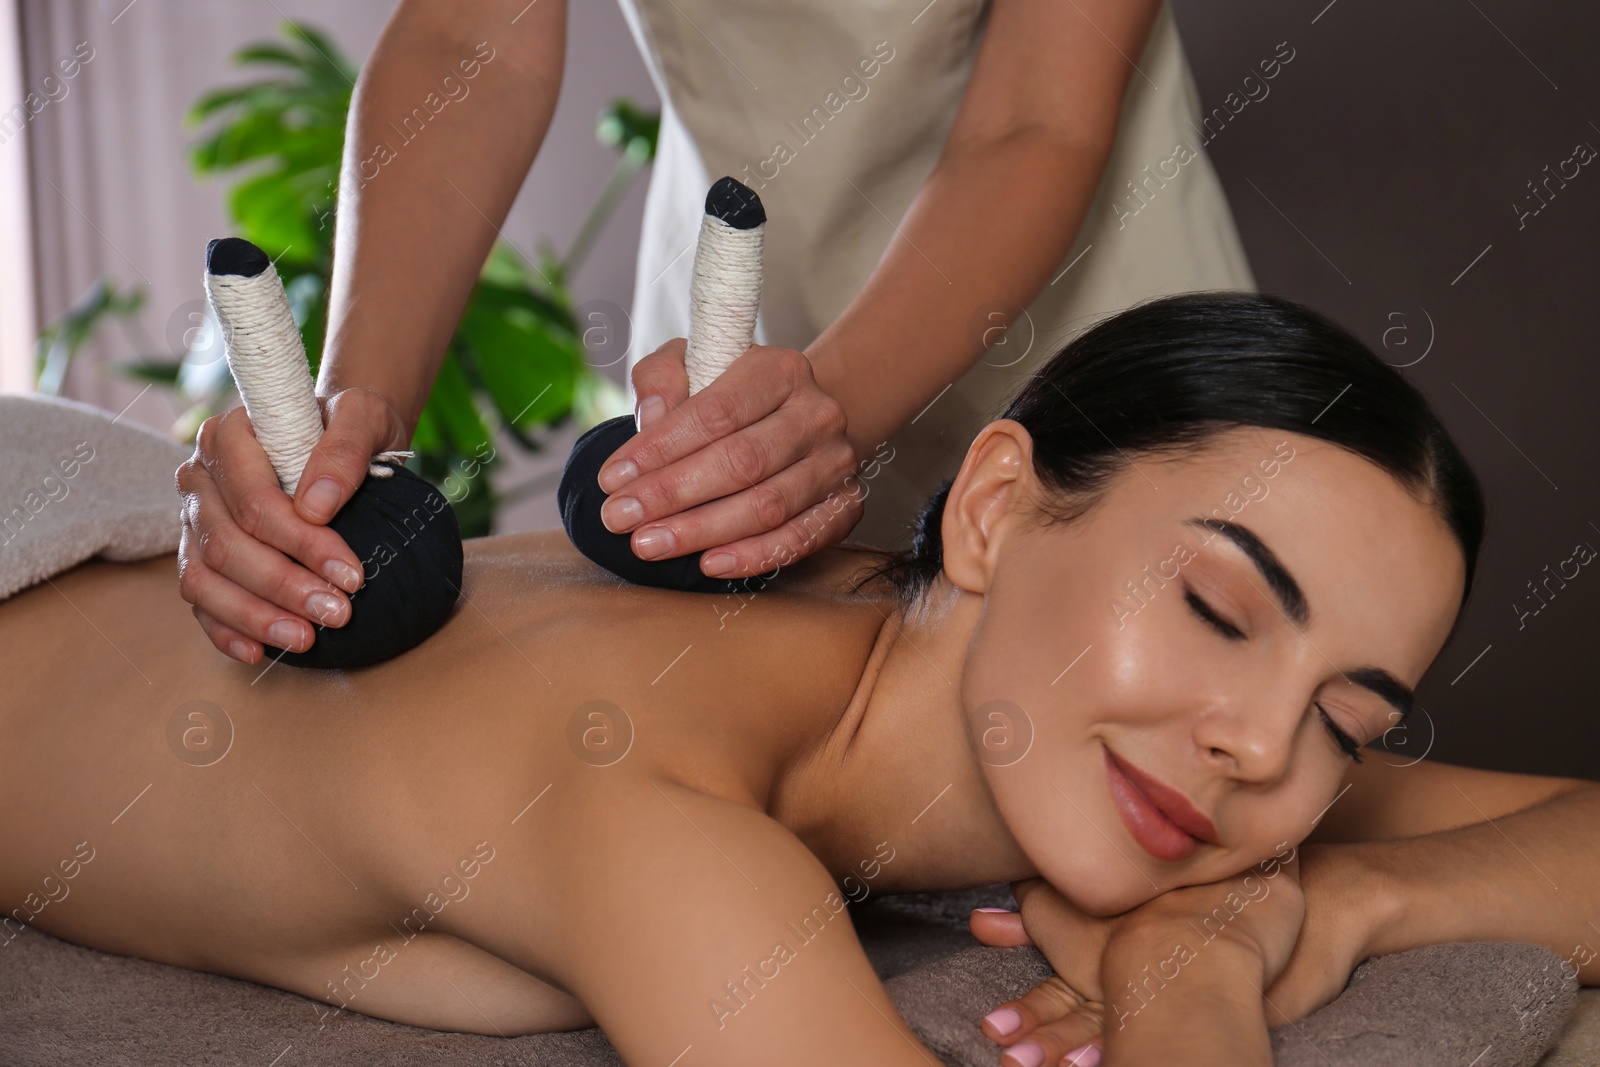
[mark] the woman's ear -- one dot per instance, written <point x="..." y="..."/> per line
<point x="985" y="498"/>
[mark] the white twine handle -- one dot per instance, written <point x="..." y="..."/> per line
<point x="268" y="361"/>
<point x="725" y="294"/>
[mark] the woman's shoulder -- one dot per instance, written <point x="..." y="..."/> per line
<point x="547" y="556"/>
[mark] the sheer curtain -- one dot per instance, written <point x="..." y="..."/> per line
<point x="17" y="327"/>
<point x="112" y="195"/>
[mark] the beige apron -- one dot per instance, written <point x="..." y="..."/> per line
<point x="835" y="111"/>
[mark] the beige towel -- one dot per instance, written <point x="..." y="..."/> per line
<point x="77" y="482"/>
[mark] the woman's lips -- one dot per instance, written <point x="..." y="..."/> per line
<point x="1158" y="817"/>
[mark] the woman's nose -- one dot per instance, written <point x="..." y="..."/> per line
<point x="1251" y="739"/>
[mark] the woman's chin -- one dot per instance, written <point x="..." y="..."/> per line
<point x="1095" y="893"/>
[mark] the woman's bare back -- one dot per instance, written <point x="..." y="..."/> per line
<point x="398" y="840"/>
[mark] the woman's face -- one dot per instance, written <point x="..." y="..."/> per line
<point x="1155" y="700"/>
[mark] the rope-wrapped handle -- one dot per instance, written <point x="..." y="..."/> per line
<point x="267" y="358"/>
<point x="265" y="354"/>
<point x="724" y="298"/>
<point x="726" y="291"/>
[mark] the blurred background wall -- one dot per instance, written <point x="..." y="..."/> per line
<point x="1401" y="173"/>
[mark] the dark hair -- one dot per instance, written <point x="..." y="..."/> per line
<point x="1166" y="375"/>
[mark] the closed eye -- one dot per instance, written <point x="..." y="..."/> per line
<point x="1215" y="621"/>
<point x="1347" y="744"/>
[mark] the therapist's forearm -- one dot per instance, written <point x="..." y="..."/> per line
<point x="990" y="224"/>
<point x="415" y="222"/>
<point x="1533" y="876"/>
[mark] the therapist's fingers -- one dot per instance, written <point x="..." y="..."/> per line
<point x="740" y="461"/>
<point x="358" y="425"/>
<point x="752" y="387"/>
<point x="825" y="522"/>
<point x="660" y="385"/>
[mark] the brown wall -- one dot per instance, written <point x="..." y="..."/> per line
<point x="1383" y="159"/>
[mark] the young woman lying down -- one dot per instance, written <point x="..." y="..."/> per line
<point x="1130" y="663"/>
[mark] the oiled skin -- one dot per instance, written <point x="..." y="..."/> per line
<point x="346" y="803"/>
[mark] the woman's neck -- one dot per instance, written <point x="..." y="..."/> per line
<point x="897" y="775"/>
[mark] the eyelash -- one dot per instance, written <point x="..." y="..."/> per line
<point x="1347" y="744"/>
<point x="1212" y="619"/>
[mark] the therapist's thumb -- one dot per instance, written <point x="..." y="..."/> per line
<point x="660" y="382"/>
<point x="358" y="424"/>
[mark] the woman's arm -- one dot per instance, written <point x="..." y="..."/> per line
<point x="1431" y="853"/>
<point x="997" y="214"/>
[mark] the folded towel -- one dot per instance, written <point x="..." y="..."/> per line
<point x="76" y="482"/>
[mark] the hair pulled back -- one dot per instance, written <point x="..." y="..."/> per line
<point x="1166" y="375"/>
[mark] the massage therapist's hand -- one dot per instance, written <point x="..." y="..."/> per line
<point x="258" y="567"/>
<point x="764" y="436"/>
<point x="1069" y="1012"/>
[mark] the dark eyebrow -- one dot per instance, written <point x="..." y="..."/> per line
<point x="1386" y="686"/>
<point x="1276" y="574"/>
<point x="1293" y="601"/>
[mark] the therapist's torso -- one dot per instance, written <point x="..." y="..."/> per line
<point x="835" y="112"/>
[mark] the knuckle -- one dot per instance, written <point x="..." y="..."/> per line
<point x="1052" y="999"/>
<point x="770" y="506"/>
<point x="743" y="459"/>
<point x="286" y="588"/>
<point x="796" y="362"/>
<point x="184" y="477"/>
<point x="206" y="438"/>
<point x="188" y="582"/>
<point x="343" y="452"/>
<point x="659" y="493"/>
<point x="216" y="548"/>
<point x="252" y="509"/>
<point x="717" y="416"/>
<point x="844" y="460"/>
<point x="830" y="415"/>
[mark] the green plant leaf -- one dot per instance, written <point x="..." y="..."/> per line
<point x="270" y="53"/>
<point x="454" y="416"/>
<point x="528" y="371"/>
<point x="160" y="371"/>
<point x="272" y="214"/>
<point x="333" y="59"/>
<point x="625" y="126"/>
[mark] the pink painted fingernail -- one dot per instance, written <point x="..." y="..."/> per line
<point x="1002" y="911"/>
<point x="1004" y="1020"/>
<point x="650" y="409"/>
<point x="1026" y="1054"/>
<point x="240" y="651"/>
<point x="1087" y="1056"/>
<point x="718" y="564"/>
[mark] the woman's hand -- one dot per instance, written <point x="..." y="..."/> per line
<point x="731" y="466"/>
<point x="1345" y="905"/>
<point x="242" y="534"/>
<point x="1066" y="1012"/>
<point x="1063" y="1014"/>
